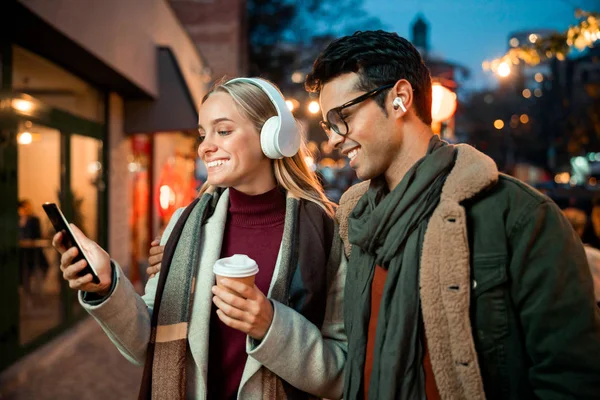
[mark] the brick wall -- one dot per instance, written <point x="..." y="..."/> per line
<point x="217" y="27"/>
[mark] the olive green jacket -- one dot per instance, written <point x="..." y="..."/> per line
<point x="506" y="292"/>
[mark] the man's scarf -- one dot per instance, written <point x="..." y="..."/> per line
<point x="386" y="229"/>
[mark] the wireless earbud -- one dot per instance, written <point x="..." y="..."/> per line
<point x="398" y="103"/>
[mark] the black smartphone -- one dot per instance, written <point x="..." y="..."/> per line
<point x="69" y="240"/>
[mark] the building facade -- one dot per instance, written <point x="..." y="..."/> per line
<point x="218" y="28"/>
<point x="98" y="113"/>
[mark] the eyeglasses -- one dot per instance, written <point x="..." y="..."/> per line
<point x="335" y="119"/>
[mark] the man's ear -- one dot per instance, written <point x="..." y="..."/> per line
<point x="401" y="97"/>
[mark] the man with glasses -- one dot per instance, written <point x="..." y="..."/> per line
<point x="462" y="283"/>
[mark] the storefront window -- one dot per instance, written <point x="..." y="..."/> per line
<point x="54" y="86"/>
<point x="86" y="183"/>
<point x="38" y="182"/>
<point x="139" y="178"/>
<point x="59" y="123"/>
<point x="162" y="167"/>
<point x="86" y="186"/>
<point x="176" y="184"/>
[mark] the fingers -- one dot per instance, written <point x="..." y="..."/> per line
<point x="156" y="250"/>
<point x="70" y="271"/>
<point x="85" y="282"/>
<point x="71" y="268"/>
<point x="155" y="261"/>
<point x="81" y="283"/>
<point x="155" y="258"/>
<point x="246" y="291"/>
<point x="230" y="298"/>
<point x="57" y="242"/>
<point x="67" y="257"/>
<point x="234" y="323"/>
<point x="252" y="315"/>
<point x="229" y="310"/>
<point x="153" y="270"/>
<point x="156" y="241"/>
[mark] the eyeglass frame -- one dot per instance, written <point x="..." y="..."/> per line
<point x="327" y="126"/>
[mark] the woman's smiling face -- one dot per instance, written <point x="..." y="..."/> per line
<point x="230" y="147"/>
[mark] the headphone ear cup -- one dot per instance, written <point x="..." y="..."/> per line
<point x="279" y="136"/>
<point x="269" y="138"/>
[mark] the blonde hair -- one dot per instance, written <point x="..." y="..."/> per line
<point x="291" y="173"/>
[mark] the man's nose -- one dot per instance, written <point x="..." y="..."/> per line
<point x="335" y="140"/>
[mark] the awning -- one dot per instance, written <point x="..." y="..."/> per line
<point x="30" y="31"/>
<point x="173" y="110"/>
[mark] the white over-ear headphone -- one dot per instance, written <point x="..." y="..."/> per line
<point x="279" y="136"/>
<point x="398" y="103"/>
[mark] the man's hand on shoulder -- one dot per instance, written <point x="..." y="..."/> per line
<point x="155" y="257"/>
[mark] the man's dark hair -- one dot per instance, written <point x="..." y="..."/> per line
<point x="379" y="58"/>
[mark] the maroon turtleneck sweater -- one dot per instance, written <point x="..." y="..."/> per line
<point x="255" y="228"/>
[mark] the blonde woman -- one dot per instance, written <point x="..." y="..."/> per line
<point x="281" y="338"/>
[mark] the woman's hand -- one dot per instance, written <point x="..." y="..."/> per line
<point x="251" y="314"/>
<point x="96" y="255"/>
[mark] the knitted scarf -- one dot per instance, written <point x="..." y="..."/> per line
<point x="165" y="367"/>
<point x="306" y="268"/>
<point x="386" y="229"/>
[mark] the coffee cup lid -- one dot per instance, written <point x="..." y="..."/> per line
<point x="236" y="266"/>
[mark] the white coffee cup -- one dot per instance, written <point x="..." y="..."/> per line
<point x="238" y="267"/>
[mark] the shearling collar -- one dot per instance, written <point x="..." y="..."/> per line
<point x="472" y="173"/>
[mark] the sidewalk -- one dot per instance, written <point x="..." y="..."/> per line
<point x="79" y="364"/>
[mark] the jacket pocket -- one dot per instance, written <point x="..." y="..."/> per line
<point x="488" y="271"/>
<point x="490" y="312"/>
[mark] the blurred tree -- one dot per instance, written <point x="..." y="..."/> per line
<point x="579" y="36"/>
<point x="284" y="34"/>
<point x="580" y="103"/>
<point x="268" y="21"/>
<point x="516" y="139"/>
<point x="567" y="117"/>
